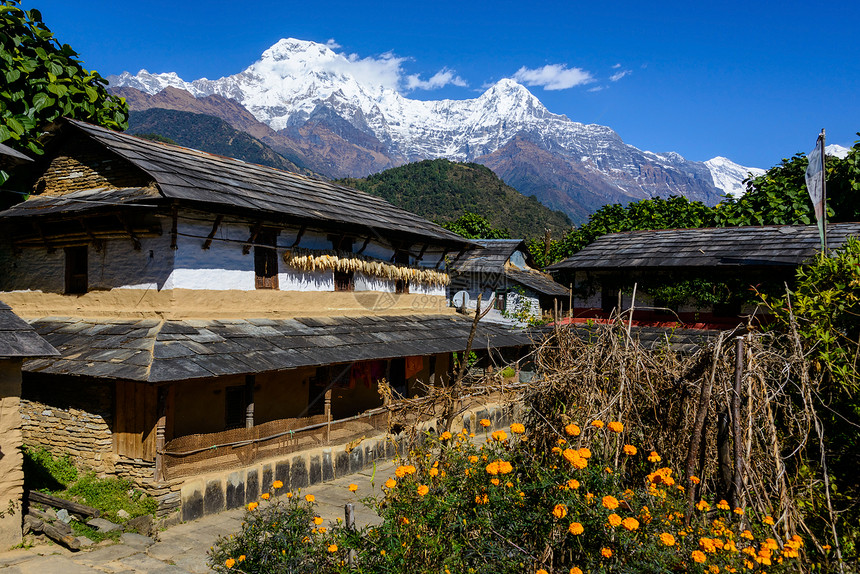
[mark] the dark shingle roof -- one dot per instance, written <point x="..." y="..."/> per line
<point x="83" y="200"/>
<point x="491" y="258"/>
<point x="157" y="351"/>
<point x="537" y="281"/>
<point x="785" y="245"/>
<point x="227" y="183"/>
<point x="18" y="339"/>
<point x="10" y="157"/>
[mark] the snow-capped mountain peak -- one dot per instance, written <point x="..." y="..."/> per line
<point x="297" y="83"/>
<point x="837" y="150"/>
<point x="729" y="176"/>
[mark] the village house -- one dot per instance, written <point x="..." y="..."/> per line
<point x="745" y="259"/>
<point x="18" y="341"/>
<point x="507" y="279"/>
<point x="211" y="314"/>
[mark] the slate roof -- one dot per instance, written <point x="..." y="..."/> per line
<point x="10" y="156"/>
<point x="83" y="200"/>
<point x="537" y="281"/>
<point x="18" y="339"/>
<point x="771" y="245"/>
<point x="649" y="337"/>
<point x="215" y="181"/>
<point x="490" y="259"/>
<point x="157" y="351"/>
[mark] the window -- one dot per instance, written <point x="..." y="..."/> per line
<point x="76" y="270"/>
<point x="344" y="281"/>
<point x="234" y="408"/>
<point x="266" y="261"/>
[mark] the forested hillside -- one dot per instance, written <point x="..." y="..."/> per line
<point x="209" y="134"/>
<point x="443" y="190"/>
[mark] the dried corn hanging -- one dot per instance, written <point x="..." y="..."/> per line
<point x="317" y="260"/>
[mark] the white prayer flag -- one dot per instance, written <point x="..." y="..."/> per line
<point x="815" y="185"/>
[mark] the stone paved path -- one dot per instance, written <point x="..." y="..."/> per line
<point x="181" y="549"/>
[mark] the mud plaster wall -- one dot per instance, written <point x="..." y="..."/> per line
<point x="282" y="394"/>
<point x="11" y="471"/>
<point x="69" y="416"/>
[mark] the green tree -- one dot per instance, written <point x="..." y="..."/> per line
<point x="44" y="80"/>
<point x="473" y="226"/>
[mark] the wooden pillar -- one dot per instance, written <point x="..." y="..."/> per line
<point x="160" y="431"/>
<point x="327" y="413"/>
<point x="250" y="381"/>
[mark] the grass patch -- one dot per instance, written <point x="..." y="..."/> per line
<point x="59" y="477"/>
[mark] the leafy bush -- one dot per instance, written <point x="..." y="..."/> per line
<point x="594" y="503"/>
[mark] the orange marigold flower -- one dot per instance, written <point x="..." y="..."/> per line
<point x="473" y="459"/>
<point x="484" y="422"/>
<point x="610" y="502"/>
<point x="229" y="563"/>
<point x="768" y="520"/>
<point x="403" y="470"/>
<point x="573" y="484"/>
<point x="433" y="471"/>
<point x="723" y="505"/>
<point x="390" y="483"/>
<point x="570" y="455"/>
<point x="630" y="450"/>
<point x="597" y="424"/>
<point x="318" y="520"/>
<point x="495" y="481"/>
<point x="332" y="548"/>
<point x="654" y="457"/>
<point x="703" y="505"/>
<point x="575" y="528"/>
<point x="500" y="435"/>
<point x="560" y="511"/>
<point x="572" y="430"/>
<point x="575" y="570"/>
<point x="309" y="497"/>
<point x="739" y="511"/>
<point x="518" y="428"/>
<point x="615" y="426"/>
<point x="423" y="489"/>
<point x="584" y="452"/>
<point x="265" y="496"/>
<point x="242" y="558"/>
<point x="695" y="479"/>
<point x="606" y="552"/>
<point x="277" y="484"/>
<point x="667" y="539"/>
<point x="541" y="571"/>
<point x="630" y="523"/>
<point x="589" y="497"/>
<point x="614" y="520"/>
<point x="353" y="487"/>
<point x="747" y="534"/>
<point x="698" y="556"/>
<point x="445" y="436"/>
<point x="482" y="499"/>
<point x="253" y="505"/>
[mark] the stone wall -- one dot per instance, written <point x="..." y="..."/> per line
<point x="83" y="164"/>
<point x="216" y="492"/>
<point x="11" y="471"/>
<point x="69" y="416"/>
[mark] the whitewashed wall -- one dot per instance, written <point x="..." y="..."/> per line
<point x="117" y="266"/>
<point x="222" y="266"/>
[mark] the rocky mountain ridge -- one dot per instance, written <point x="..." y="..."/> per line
<point x="322" y="113"/>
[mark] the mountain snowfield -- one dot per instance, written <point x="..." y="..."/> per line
<point x="296" y="82"/>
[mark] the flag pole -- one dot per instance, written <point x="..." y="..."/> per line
<point x="824" y="189"/>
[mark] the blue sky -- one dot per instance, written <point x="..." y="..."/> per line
<point x="751" y="81"/>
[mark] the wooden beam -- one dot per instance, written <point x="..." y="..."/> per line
<point x="442" y="259"/>
<point x="250" y="381"/>
<point x="160" y="426"/>
<point x="134" y="239"/>
<point x="73" y="507"/>
<point x="174" y="214"/>
<point x="299" y="236"/>
<point x="255" y="231"/>
<point x="421" y="253"/>
<point x="211" y="235"/>
<point x="44" y="239"/>
<point x="364" y="245"/>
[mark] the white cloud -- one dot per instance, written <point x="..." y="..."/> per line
<point x="332" y="44"/>
<point x="553" y="77"/>
<point x="440" y="79"/>
<point x="385" y="70"/>
<point x="616" y="66"/>
<point x="596" y="88"/>
<point x="618" y="75"/>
